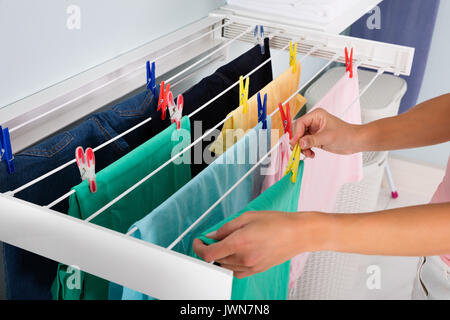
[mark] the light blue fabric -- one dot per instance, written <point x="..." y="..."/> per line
<point x="164" y="224"/>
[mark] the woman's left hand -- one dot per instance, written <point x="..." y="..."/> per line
<point x="257" y="241"/>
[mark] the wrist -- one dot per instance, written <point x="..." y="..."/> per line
<point x="314" y="231"/>
<point x="361" y="138"/>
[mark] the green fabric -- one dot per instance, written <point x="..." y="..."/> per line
<point x="113" y="181"/>
<point x="271" y="284"/>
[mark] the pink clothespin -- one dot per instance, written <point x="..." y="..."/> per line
<point x="175" y="111"/>
<point x="349" y="62"/>
<point x="86" y="165"/>
<point x="162" y="103"/>
<point x="286" y="118"/>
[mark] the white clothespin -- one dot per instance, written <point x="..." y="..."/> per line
<point x="259" y="36"/>
<point x="86" y="165"/>
<point x="175" y="111"/>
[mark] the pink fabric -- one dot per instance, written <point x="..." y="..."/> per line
<point x="442" y="194"/>
<point x="324" y="175"/>
<point x="278" y="163"/>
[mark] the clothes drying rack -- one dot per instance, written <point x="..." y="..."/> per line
<point x="120" y="258"/>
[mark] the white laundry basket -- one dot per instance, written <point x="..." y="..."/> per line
<point x="333" y="275"/>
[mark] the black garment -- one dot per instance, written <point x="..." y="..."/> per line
<point x="213" y="85"/>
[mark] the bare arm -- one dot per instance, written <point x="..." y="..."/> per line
<point x="257" y="241"/>
<point x="411" y="231"/>
<point x="426" y="124"/>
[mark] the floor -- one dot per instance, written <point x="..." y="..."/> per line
<point x="415" y="183"/>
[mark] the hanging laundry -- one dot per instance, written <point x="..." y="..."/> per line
<point x="277" y="91"/>
<point x="278" y="162"/>
<point x="113" y="181"/>
<point x="215" y="84"/>
<point x="328" y="172"/>
<point x="29" y="276"/>
<point x="167" y="222"/>
<point x="271" y="284"/>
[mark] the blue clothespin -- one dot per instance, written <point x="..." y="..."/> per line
<point x="259" y="37"/>
<point x="6" y="150"/>
<point x="151" y="83"/>
<point x="262" y="110"/>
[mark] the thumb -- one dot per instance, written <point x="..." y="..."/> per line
<point x="309" y="141"/>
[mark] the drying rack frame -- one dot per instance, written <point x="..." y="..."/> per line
<point x="119" y="258"/>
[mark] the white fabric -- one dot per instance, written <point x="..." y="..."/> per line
<point x="433" y="280"/>
<point x="320" y="11"/>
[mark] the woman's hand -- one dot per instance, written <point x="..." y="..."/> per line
<point x="319" y="129"/>
<point x="257" y="241"/>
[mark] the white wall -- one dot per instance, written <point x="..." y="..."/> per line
<point x="436" y="82"/>
<point x="37" y="49"/>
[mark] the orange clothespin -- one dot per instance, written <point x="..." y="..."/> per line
<point x="294" y="163"/>
<point x="349" y="62"/>
<point x="286" y="118"/>
<point x="243" y="93"/>
<point x="293" y="56"/>
<point x="163" y="102"/>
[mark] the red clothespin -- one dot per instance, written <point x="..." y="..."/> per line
<point x="349" y="62"/>
<point x="286" y="118"/>
<point x="175" y="111"/>
<point x="162" y="103"/>
<point x="86" y="165"/>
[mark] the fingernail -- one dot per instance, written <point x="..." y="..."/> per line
<point x="211" y="234"/>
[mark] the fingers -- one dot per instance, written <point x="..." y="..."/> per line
<point x="301" y="126"/>
<point x="215" y="251"/>
<point x="235" y="268"/>
<point x="230" y="227"/>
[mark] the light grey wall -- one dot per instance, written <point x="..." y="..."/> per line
<point x="436" y="82"/>
<point x="38" y="50"/>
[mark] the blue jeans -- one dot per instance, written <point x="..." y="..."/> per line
<point x="29" y="276"/>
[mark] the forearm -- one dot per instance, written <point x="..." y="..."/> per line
<point x="426" y="124"/>
<point x="409" y="231"/>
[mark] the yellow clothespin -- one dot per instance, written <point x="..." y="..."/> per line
<point x="293" y="56"/>
<point x="243" y="92"/>
<point x="294" y="163"/>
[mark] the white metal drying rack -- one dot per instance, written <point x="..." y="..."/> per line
<point x="156" y="271"/>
